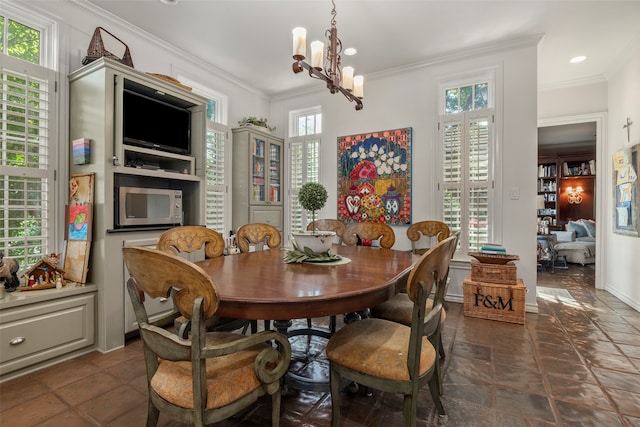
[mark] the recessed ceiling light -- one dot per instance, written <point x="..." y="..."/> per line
<point x="350" y="51"/>
<point x="170" y="2"/>
<point x="577" y="59"/>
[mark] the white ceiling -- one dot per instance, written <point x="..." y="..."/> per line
<point x="251" y="39"/>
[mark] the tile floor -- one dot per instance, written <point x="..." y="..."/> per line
<point x="575" y="363"/>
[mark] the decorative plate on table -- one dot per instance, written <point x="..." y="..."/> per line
<point x="494" y="258"/>
<point x="324" y="259"/>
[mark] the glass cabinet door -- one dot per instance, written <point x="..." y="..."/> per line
<point x="274" y="173"/>
<point x="257" y="170"/>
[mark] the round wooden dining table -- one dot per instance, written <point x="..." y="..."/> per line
<point x="260" y="285"/>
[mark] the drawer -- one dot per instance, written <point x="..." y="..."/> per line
<point x="271" y="216"/>
<point x="37" y="332"/>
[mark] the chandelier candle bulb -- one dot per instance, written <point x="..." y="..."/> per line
<point x="358" y="86"/>
<point x="326" y="67"/>
<point x="299" y="43"/>
<point x="347" y="78"/>
<point x="317" y="49"/>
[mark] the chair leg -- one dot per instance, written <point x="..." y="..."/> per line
<point x="435" y="395"/>
<point x="409" y="410"/>
<point x="267" y="325"/>
<point x="275" y="408"/>
<point x="441" y="347"/>
<point x="254" y="326"/>
<point x="152" y="414"/>
<point x="332" y="324"/>
<point x="308" y="323"/>
<point x="334" y="380"/>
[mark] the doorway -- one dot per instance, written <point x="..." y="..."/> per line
<point x="577" y="133"/>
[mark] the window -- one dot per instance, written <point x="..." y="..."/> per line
<point x="28" y="124"/>
<point x="27" y="195"/>
<point x="304" y="161"/>
<point x="466" y="150"/>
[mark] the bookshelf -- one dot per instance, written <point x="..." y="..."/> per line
<point x="556" y="173"/>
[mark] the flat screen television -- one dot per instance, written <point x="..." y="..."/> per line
<point x="151" y="123"/>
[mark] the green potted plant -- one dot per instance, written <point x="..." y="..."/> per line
<point x="314" y="244"/>
<point x="312" y="197"/>
<point x="256" y="121"/>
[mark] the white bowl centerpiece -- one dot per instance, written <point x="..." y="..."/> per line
<point x="318" y="241"/>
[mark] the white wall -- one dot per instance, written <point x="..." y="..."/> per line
<point x="622" y="275"/>
<point x="618" y="97"/>
<point x="409" y="99"/>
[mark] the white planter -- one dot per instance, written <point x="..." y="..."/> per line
<point x="318" y="241"/>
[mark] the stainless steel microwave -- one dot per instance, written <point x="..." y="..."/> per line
<point x="137" y="206"/>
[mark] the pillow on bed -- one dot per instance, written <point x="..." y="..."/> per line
<point x="586" y="239"/>
<point x="579" y="229"/>
<point x="590" y="226"/>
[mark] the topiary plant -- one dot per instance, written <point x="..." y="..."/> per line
<point x="312" y="197"/>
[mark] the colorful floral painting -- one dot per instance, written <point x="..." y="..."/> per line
<point x="374" y="177"/>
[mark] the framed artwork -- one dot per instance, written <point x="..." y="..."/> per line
<point x="626" y="212"/>
<point x="79" y="220"/>
<point x="374" y="177"/>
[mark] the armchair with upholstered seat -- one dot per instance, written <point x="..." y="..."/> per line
<point x="420" y="230"/>
<point x="189" y="239"/>
<point x="258" y="235"/>
<point x="211" y="375"/>
<point x="389" y="356"/>
<point x="400" y="307"/>
<point x="366" y="233"/>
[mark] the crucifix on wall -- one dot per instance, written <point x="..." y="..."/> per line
<point x="628" y="128"/>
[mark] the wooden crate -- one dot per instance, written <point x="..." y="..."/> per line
<point x="495" y="301"/>
<point x="494" y="273"/>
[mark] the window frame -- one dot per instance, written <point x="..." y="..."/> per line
<point x="295" y="138"/>
<point x="493" y="76"/>
<point x="218" y="126"/>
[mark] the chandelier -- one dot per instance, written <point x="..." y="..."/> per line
<point x="327" y="69"/>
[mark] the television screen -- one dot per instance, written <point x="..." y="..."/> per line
<point x="151" y="123"/>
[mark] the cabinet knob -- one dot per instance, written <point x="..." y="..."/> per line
<point x="17" y="340"/>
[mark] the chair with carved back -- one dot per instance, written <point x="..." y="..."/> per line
<point x="399" y="309"/>
<point x="389" y="356"/>
<point x="334" y="225"/>
<point x="367" y="234"/>
<point x="190" y="239"/>
<point x="209" y="376"/>
<point x="422" y="230"/>
<point x="258" y="235"/>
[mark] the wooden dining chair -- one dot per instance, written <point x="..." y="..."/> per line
<point x="400" y="309"/>
<point x="432" y="230"/>
<point x="258" y="235"/>
<point x="363" y="232"/>
<point x="210" y="376"/>
<point x="190" y="239"/>
<point x="334" y="225"/>
<point x="389" y="356"/>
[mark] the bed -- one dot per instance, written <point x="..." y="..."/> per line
<point x="578" y="243"/>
